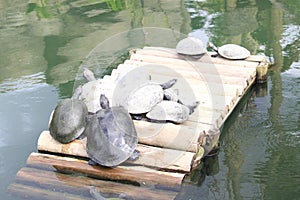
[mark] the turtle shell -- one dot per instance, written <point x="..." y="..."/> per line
<point x="68" y="120"/>
<point x="144" y="98"/>
<point x="169" y="111"/>
<point x="91" y="92"/>
<point x="190" y="46"/>
<point x="111" y="137"/>
<point x="233" y="51"/>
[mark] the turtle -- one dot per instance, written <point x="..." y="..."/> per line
<point x="190" y="46"/>
<point x="231" y="51"/>
<point x="68" y="120"/>
<point x="111" y="136"/>
<point x="143" y="98"/>
<point x="92" y="89"/>
<point x="171" y="111"/>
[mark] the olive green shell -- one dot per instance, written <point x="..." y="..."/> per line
<point x="68" y="120"/>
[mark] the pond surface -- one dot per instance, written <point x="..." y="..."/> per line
<point x="44" y="42"/>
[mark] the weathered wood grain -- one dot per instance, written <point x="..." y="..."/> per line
<point x="135" y="174"/>
<point x="72" y="185"/>
<point x="154" y="157"/>
<point x="171" y="53"/>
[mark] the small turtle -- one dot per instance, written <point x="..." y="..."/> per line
<point x="231" y="51"/>
<point x="111" y="136"/>
<point x="92" y="90"/>
<point x="68" y="120"/>
<point x="146" y="96"/>
<point x="171" y="111"/>
<point x="190" y="46"/>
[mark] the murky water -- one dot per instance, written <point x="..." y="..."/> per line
<point x="44" y="42"/>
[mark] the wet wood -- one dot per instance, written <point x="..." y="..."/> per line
<point x="262" y="72"/>
<point x="135" y="174"/>
<point x="36" y="193"/>
<point x="80" y="185"/>
<point x="154" y="157"/>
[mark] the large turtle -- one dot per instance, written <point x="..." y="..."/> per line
<point x="92" y="90"/>
<point x="190" y="46"/>
<point x="68" y="120"/>
<point x="111" y="136"/>
<point x="171" y="111"/>
<point x="146" y="96"/>
<point x="231" y="51"/>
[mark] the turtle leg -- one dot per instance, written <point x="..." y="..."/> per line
<point x="135" y="155"/>
<point x="215" y="55"/>
<point x="91" y="162"/>
<point x="82" y="136"/>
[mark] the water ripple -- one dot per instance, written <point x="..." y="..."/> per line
<point x="25" y="82"/>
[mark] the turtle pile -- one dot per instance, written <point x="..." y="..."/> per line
<point x="111" y="134"/>
<point x="103" y="112"/>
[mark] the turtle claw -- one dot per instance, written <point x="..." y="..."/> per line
<point x="93" y="163"/>
<point x="135" y="155"/>
<point x="215" y="55"/>
<point x="82" y="136"/>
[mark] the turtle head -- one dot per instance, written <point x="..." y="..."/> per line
<point x="88" y="74"/>
<point x="104" y="103"/>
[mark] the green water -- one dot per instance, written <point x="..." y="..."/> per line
<point x="43" y="44"/>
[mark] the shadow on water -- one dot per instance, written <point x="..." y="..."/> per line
<point x="43" y="44"/>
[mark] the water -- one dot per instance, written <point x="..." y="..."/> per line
<point x="44" y="42"/>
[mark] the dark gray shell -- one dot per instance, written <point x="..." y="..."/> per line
<point x="190" y="46"/>
<point x="233" y="51"/>
<point x="111" y="137"/>
<point x="68" y="120"/>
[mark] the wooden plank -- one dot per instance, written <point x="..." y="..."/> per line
<point x="193" y="80"/>
<point x="70" y="184"/>
<point x="171" y="53"/>
<point x="195" y="71"/>
<point x="179" y="64"/>
<point x="163" y="51"/>
<point x="135" y="174"/>
<point x="184" y="137"/>
<point x="214" y="78"/>
<point x="35" y="193"/>
<point x="160" y="158"/>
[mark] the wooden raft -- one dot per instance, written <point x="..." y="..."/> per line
<point x="168" y="151"/>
